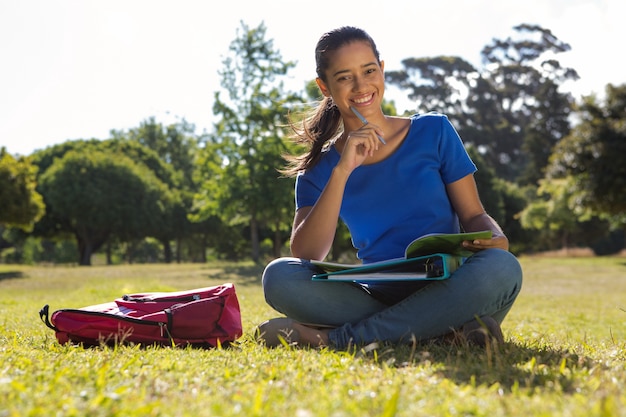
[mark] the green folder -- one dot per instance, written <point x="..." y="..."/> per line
<point x="424" y="268"/>
<point x="430" y="257"/>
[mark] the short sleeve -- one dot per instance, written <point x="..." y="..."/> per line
<point x="455" y="161"/>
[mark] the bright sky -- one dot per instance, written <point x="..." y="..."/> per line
<point x="75" y="69"/>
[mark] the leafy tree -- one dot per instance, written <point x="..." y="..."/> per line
<point x="550" y="214"/>
<point x="592" y="155"/>
<point x="132" y="149"/>
<point x="533" y="112"/>
<point x="96" y="193"/>
<point x="435" y="83"/>
<point x="20" y="204"/>
<point x="242" y="183"/>
<point x="176" y="145"/>
<point x="554" y="223"/>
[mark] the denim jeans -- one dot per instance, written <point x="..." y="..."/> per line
<point x="486" y="284"/>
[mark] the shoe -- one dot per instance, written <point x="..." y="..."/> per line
<point x="482" y="331"/>
<point x="278" y="332"/>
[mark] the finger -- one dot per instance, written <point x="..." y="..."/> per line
<point x="363" y="141"/>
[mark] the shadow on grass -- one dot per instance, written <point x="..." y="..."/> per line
<point x="11" y="275"/>
<point x="511" y="366"/>
<point x="241" y="274"/>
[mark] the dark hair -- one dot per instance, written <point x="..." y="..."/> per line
<point x="324" y="122"/>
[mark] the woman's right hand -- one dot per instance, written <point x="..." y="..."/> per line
<point x="358" y="146"/>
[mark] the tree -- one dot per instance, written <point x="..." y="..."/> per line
<point x="553" y="222"/>
<point x="436" y="84"/>
<point x="55" y="222"/>
<point x="533" y="112"/>
<point x="592" y="155"/>
<point x="550" y="214"/>
<point x="20" y="204"/>
<point x="176" y="145"/>
<point x="98" y="194"/>
<point x="242" y="184"/>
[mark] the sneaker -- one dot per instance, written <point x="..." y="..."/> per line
<point x="482" y="331"/>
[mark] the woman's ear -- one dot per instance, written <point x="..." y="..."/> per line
<point x="322" y="87"/>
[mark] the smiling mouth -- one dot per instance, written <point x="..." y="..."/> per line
<point x="363" y="100"/>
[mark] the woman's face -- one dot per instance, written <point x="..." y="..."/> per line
<point x="354" y="77"/>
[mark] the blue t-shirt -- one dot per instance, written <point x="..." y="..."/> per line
<point x="388" y="204"/>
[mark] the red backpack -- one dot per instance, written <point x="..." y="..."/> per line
<point x="204" y="317"/>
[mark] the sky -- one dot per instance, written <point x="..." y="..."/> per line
<point x="77" y="69"/>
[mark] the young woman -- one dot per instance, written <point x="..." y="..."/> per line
<point x="391" y="180"/>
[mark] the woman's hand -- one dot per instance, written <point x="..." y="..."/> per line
<point x="358" y="146"/>
<point x="499" y="241"/>
<point x="466" y="202"/>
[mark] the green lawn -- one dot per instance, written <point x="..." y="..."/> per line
<point x="565" y="354"/>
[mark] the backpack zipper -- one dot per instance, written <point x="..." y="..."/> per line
<point x="180" y="298"/>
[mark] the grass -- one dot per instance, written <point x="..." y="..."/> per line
<point x="565" y="354"/>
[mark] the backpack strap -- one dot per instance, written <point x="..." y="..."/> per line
<point x="44" y="313"/>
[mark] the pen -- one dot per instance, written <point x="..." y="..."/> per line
<point x="364" y="121"/>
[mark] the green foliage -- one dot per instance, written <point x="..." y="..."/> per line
<point x="564" y="354"/>
<point x="551" y="212"/>
<point x="175" y="145"/>
<point x="240" y="181"/>
<point x="99" y="194"/>
<point x="593" y="155"/>
<point x="20" y="204"/>
<point x="33" y="250"/>
<point x="131" y="149"/>
<point x="434" y="83"/>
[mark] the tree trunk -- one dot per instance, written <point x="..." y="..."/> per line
<point x="108" y="251"/>
<point x="167" y="251"/>
<point x="203" y="247"/>
<point x="89" y="242"/>
<point x="85" y="249"/>
<point x="278" y="242"/>
<point x="254" y="238"/>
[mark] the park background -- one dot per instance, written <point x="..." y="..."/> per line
<point x="183" y="192"/>
<point x="143" y="132"/>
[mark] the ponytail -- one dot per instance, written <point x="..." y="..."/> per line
<point x="317" y="131"/>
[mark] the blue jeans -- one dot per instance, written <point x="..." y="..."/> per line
<point x="486" y="284"/>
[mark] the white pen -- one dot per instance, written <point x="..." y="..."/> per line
<point x="364" y="121"/>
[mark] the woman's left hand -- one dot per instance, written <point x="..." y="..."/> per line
<point x="497" y="241"/>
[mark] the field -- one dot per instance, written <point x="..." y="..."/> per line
<point x="565" y="354"/>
